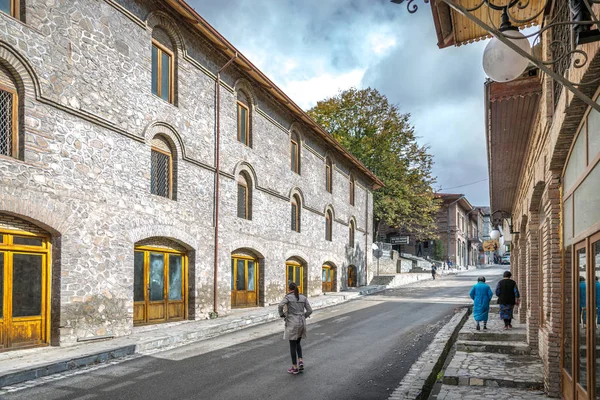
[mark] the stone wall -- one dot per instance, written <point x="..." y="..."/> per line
<point x="89" y="119"/>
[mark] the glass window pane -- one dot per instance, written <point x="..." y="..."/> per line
<point x="294" y="157"/>
<point x="1" y="238"/>
<point x="582" y="316"/>
<point x="593" y="134"/>
<point x="587" y="203"/>
<point x="241" y="204"/>
<point x="324" y="276"/>
<point x="232" y="274"/>
<point x="576" y="163"/>
<point x="27" y="285"/>
<point x="1" y="285"/>
<point x="568" y="220"/>
<point x="290" y="274"/>
<point x="165" y="85"/>
<point x="155" y="70"/>
<point x="5" y="6"/>
<point x="293" y="217"/>
<point x="596" y="265"/>
<point x="251" y="276"/>
<point x="240" y="280"/>
<point x="157" y="276"/>
<point x="28" y="241"/>
<point x="139" y="286"/>
<point x="160" y="173"/>
<point x="242" y="115"/>
<point x="175" y="277"/>
<point x="298" y="275"/>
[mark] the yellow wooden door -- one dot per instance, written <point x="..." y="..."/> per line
<point x="295" y="273"/>
<point x="327" y="278"/>
<point x="244" y="281"/>
<point x="159" y="291"/>
<point x="23" y="291"/>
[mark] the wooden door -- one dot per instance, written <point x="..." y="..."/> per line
<point x="24" y="305"/>
<point x="352" y="276"/>
<point x="295" y="273"/>
<point x="327" y="279"/>
<point x="159" y="289"/>
<point x="244" y="281"/>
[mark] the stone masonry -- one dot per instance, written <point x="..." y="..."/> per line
<point x="83" y="73"/>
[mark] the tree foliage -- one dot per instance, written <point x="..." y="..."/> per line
<point x="380" y="136"/>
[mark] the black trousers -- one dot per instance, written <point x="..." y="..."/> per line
<point x="295" y="351"/>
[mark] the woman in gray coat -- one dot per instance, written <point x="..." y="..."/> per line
<point x="295" y="309"/>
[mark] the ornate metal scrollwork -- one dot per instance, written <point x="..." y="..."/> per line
<point x="412" y="8"/>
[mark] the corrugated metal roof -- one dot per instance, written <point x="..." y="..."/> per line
<point x="511" y="110"/>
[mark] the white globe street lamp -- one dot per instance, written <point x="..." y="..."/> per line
<point x="500" y="62"/>
<point x="495" y="234"/>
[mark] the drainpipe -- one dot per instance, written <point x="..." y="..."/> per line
<point x="448" y="225"/>
<point x="217" y="191"/>
<point x="367" y="238"/>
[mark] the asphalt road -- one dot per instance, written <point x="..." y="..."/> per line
<point x="358" y="350"/>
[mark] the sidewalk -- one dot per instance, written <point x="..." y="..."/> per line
<point x="22" y="365"/>
<point x="492" y="364"/>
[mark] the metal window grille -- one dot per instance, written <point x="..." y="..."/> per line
<point x="160" y="174"/>
<point x="6" y="123"/>
<point x="242" y="203"/>
<point x="562" y="44"/>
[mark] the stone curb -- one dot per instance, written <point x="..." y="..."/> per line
<point x="162" y="341"/>
<point x="421" y="377"/>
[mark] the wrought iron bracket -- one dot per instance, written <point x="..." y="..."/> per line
<point x="544" y="66"/>
<point x="502" y="216"/>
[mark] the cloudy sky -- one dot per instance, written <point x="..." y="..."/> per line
<point x="314" y="48"/>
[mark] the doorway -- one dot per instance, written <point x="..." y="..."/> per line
<point x="351" y="276"/>
<point x="244" y="281"/>
<point x="24" y="303"/>
<point x="294" y="273"/>
<point x="328" y="278"/>
<point x="159" y="285"/>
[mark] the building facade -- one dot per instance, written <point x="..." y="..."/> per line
<point x="150" y="173"/>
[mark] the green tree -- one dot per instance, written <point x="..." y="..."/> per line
<point x="380" y="136"/>
<point x="438" y="250"/>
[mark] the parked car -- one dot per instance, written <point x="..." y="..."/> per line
<point x="505" y="259"/>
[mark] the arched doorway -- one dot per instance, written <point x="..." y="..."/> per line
<point x="24" y="287"/>
<point x="352" y="276"/>
<point x="294" y="272"/>
<point x="244" y="280"/>
<point x="159" y="282"/>
<point x="328" y="278"/>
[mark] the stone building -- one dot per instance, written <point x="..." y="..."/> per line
<point x="544" y="162"/>
<point x="150" y="173"/>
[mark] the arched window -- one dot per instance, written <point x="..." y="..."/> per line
<point x="295" y="153"/>
<point x="10" y="7"/>
<point x="243" y="119"/>
<point x="296" y="210"/>
<point x="328" y="225"/>
<point x="163" y="66"/>
<point x="352" y="190"/>
<point x="351" y="234"/>
<point x="328" y="175"/>
<point x="244" y="198"/>
<point x="9" y="143"/>
<point x="161" y="168"/>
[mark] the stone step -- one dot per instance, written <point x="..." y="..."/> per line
<point x="513" y="335"/>
<point x="494" y="370"/>
<point x="498" y="347"/>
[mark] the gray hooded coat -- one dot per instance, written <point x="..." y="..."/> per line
<point x="295" y="312"/>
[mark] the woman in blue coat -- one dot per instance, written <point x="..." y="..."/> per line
<point x="481" y="294"/>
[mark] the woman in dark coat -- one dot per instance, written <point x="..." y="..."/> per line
<point x="508" y="297"/>
<point x="295" y="308"/>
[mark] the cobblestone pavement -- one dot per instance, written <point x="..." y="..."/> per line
<point x="449" y="392"/>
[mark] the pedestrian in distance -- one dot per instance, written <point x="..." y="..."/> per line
<point x="433" y="271"/>
<point x="295" y="308"/>
<point x="508" y="297"/>
<point x="481" y="293"/>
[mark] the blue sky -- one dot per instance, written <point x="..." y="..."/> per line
<point x="313" y="48"/>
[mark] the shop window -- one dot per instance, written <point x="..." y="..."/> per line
<point x="244" y="197"/>
<point x="163" y="72"/>
<point x="296" y="210"/>
<point x="161" y="174"/>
